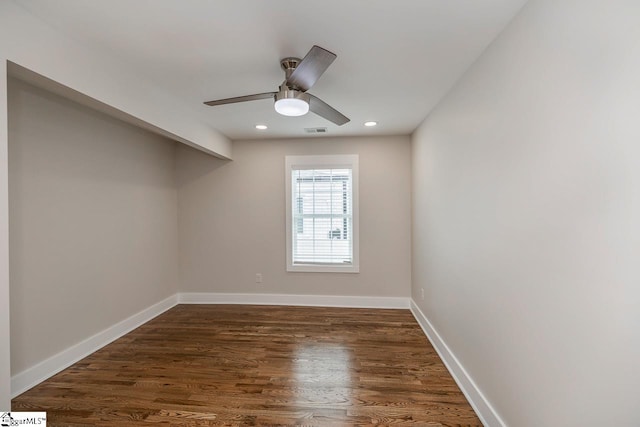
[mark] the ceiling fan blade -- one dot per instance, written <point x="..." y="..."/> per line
<point x="310" y="68"/>
<point x="323" y="109"/>
<point x="257" y="96"/>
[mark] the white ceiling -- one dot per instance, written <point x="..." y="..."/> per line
<point x="396" y="58"/>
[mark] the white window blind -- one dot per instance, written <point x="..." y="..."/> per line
<point x="322" y="225"/>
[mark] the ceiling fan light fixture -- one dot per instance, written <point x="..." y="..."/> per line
<point x="290" y="102"/>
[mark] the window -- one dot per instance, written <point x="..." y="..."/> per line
<point x="322" y="213"/>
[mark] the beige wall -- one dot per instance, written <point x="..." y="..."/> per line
<point x="5" y="353"/>
<point x="232" y="219"/>
<point x="29" y="42"/>
<point x="526" y="207"/>
<point x="93" y="222"/>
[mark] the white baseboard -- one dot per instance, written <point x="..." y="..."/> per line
<point x="478" y="401"/>
<point x="47" y="368"/>
<point x="301" y="300"/>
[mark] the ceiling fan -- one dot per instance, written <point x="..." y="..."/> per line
<point x="292" y="98"/>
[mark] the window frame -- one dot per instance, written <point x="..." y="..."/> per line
<point x="345" y="161"/>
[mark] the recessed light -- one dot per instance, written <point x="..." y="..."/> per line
<point x="370" y="124"/>
<point x="261" y="127"/>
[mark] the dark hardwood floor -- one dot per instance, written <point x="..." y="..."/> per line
<point x="201" y="365"/>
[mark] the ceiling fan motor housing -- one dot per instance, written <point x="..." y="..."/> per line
<point x="288" y="65"/>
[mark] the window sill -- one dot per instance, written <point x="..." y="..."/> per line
<point x="315" y="268"/>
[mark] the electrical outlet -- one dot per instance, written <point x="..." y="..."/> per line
<point x="422" y="293"/>
<point x="258" y="277"/>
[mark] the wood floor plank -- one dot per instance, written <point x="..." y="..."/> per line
<point x="234" y="365"/>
